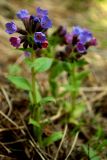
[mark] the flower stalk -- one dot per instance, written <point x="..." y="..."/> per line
<point x="73" y="90"/>
<point x="36" y="107"/>
<point x="33" y="74"/>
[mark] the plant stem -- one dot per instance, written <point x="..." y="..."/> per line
<point x="36" y="107"/>
<point x="33" y="86"/>
<point x="73" y="85"/>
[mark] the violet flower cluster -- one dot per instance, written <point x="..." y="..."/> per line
<point x="34" y="34"/>
<point x="76" y="43"/>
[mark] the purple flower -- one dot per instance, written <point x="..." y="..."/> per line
<point x="39" y="37"/>
<point x="68" y="38"/>
<point x="22" y="14"/>
<point x="33" y="25"/>
<point x="36" y="19"/>
<point x="15" y="41"/>
<point x="80" y="47"/>
<point x="85" y="36"/>
<point x="11" y="27"/>
<point x="41" y="13"/>
<point x="76" y="31"/>
<point x="93" y="42"/>
<point x="46" y="22"/>
<point x="62" y="31"/>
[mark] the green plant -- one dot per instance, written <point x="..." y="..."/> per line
<point x="33" y="39"/>
<point x="75" y="45"/>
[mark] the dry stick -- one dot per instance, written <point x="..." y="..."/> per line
<point x="8" y="119"/>
<point x="11" y="121"/>
<point x="8" y="101"/>
<point x="3" y="156"/>
<point x="3" y="145"/>
<point x="35" y="146"/>
<point x="87" y="103"/>
<point x="73" y="145"/>
<point x="60" y="145"/>
<point x="55" y="117"/>
<point x="32" y="141"/>
<point x="94" y="89"/>
<point x="14" y="125"/>
<point x="99" y="96"/>
<point x="8" y="129"/>
<point x="20" y="59"/>
<point x="17" y="141"/>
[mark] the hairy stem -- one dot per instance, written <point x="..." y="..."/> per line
<point x="73" y="89"/>
<point x="36" y="107"/>
<point x="33" y="86"/>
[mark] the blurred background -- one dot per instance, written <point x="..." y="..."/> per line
<point x="91" y="14"/>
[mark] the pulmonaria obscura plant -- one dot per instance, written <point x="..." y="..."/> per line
<point x="74" y="46"/>
<point x="33" y="38"/>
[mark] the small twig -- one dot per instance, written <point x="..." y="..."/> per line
<point x="60" y="145"/>
<point x="8" y="129"/>
<point x="94" y="89"/>
<point x="32" y="141"/>
<point x="55" y="117"/>
<point x="4" y="115"/>
<point x="17" y="141"/>
<point x="20" y="59"/>
<point x="3" y="156"/>
<point x="99" y="96"/>
<point x="12" y="122"/>
<point x="8" y="101"/>
<point x="8" y="150"/>
<point x="73" y="145"/>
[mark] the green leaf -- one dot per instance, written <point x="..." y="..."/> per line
<point x="54" y="137"/>
<point x="79" y="109"/>
<point x="19" y="82"/>
<point x="28" y="62"/>
<point x="81" y="63"/>
<point x="56" y="69"/>
<point x="59" y="67"/>
<point x="47" y="99"/>
<point x="42" y="64"/>
<point x="53" y="86"/>
<point x="69" y="88"/>
<point x="82" y="75"/>
<point x="34" y="123"/>
<point x="67" y="66"/>
<point x="91" y="153"/>
<point x="101" y="146"/>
